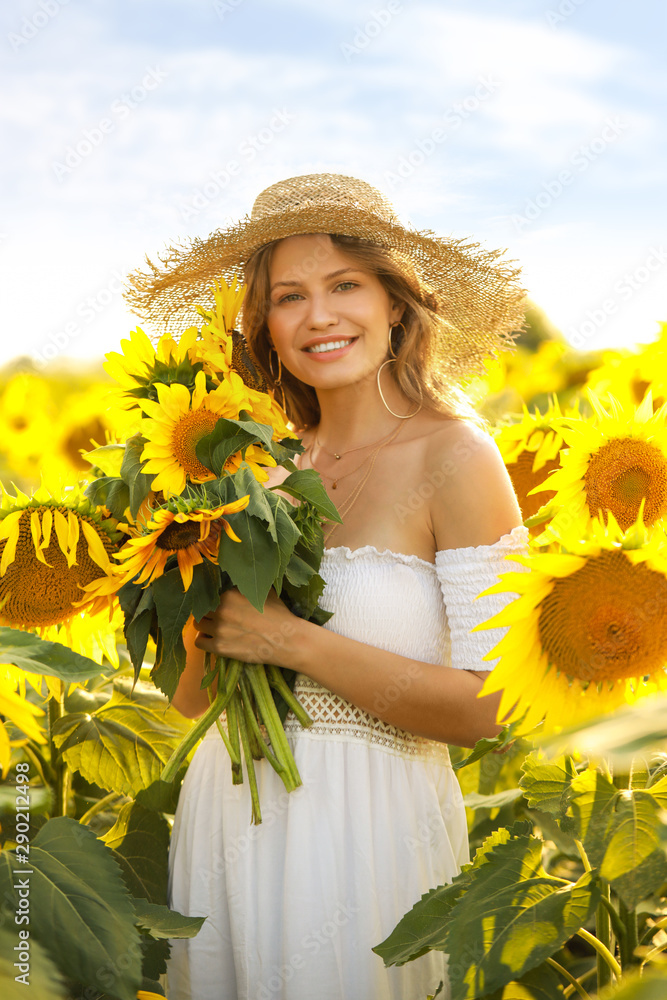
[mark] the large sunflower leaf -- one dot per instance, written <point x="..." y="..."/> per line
<point x="511" y="919"/>
<point x="306" y="484"/>
<point x="254" y="564"/>
<point x="619" y="829"/>
<point x="546" y="783"/>
<point x="39" y="656"/>
<point x="139" y="484"/>
<point x="424" y="927"/>
<point x="228" y="437"/>
<point x="122" y="746"/>
<point x="161" y="922"/>
<point x="541" y="983"/>
<point x="40" y="974"/>
<point x="80" y="909"/>
<point x="140" y="841"/>
<point x="174" y="606"/>
<point x="109" y="492"/>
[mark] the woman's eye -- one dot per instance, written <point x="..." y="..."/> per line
<point x="350" y="284"/>
<point x="289" y="296"/>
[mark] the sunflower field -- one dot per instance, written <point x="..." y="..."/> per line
<point x="106" y="482"/>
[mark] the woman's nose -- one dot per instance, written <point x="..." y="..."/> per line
<point x="320" y="312"/>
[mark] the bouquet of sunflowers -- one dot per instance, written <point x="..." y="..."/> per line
<point x="171" y="519"/>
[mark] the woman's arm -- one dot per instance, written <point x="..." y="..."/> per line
<point x="189" y="699"/>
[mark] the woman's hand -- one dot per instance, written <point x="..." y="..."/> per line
<point x="237" y="629"/>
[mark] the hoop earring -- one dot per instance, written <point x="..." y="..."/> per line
<point x="400" y="416"/>
<point x="277" y="382"/>
<point x="391" y="330"/>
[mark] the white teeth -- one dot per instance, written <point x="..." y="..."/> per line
<point x="331" y="345"/>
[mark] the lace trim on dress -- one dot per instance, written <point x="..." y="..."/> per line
<point x="337" y="719"/>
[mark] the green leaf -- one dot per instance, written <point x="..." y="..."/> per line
<point x="259" y="498"/>
<point x="139" y="484"/>
<point x="122" y="746"/>
<point x="137" y="629"/>
<point x="651" y="986"/>
<point x="306" y="484"/>
<point x="80" y="909"/>
<point x="547" y="783"/>
<point x="512" y="918"/>
<point x="619" y="829"/>
<point x="541" y="983"/>
<point x="228" y="437"/>
<point x="424" y="927"/>
<point x="495" y="744"/>
<point x="253" y="564"/>
<point x="174" y="606"/>
<point x="110" y="492"/>
<point x="140" y="840"/>
<point x="42" y="976"/>
<point x="288" y="536"/>
<point x="473" y="800"/>
<point x="108" y="458"/>
<point x="205" y="587"/>
<point x="161" y="922"/>
<point x="39" y="656"/>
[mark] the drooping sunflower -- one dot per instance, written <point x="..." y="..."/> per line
<point x="180" y="419"/>
<point x="223" y="347"/>
<point x="182" y="529"/>
<point x="588" y="632"/>
<point x="15" y="708"/>
<point x="50" y="549"/>
<point x="530" y="449"/>
<point x="611" y="465"/>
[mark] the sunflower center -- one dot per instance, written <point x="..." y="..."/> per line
<point x="190" y="429"/>
<point x="607" y="621"/>
<point x="524" y="479"/>
<point x="33" y="595"/>
<point x="179" y="536"/>
<point x="620" y="474"/>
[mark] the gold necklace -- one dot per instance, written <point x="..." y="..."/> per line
<point x="347" y="506"/>
<point x="337" y="479"/>
<point x="350" y="451"/>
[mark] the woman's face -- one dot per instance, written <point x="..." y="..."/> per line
<point x="328" y="319"/>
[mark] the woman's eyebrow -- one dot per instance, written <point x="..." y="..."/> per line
<point x="327" y="277"/>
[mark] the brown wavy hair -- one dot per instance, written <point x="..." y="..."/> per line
<point x="420" y="368"/>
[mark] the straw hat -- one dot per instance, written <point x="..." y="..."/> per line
<point x="469" y="287"/>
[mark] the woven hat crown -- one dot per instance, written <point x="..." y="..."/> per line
<point x="323" y="191"/>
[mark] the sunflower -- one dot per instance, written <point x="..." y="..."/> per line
<point x="185" y="530"/>
<point x="628" y="375"/>
<point x="223" y="348"/>
<point x="50" y="549"/>
<point x="530" y="449"/>
<point x="611" y="466"/>
<point x="180" y="420"/>
<point x="16" y="709"/>
<point x="588" y="632"/>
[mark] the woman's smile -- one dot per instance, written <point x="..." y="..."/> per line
<point x="329" y="348"/>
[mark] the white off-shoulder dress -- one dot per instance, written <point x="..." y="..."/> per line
<point x="294" y="905"/>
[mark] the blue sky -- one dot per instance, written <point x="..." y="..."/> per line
<point x="128" y="126"/>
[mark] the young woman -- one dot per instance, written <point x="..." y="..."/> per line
<point x="366" y="335"/>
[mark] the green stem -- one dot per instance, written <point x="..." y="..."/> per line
<point x="221" y="729"/>
<point x="100" y="806"/>
<point x="193" y="736"/>
<point x="277" y="681"/>
<point x="629" y="921"/>
<point x="250" y="765"/>
<point x="616" y="923"/>
<point x="584" y="857"/>
<point x="603" y="934"/>
<point x="42" y="766"/>
<point x="568" y="991"/>
<point x="256" y="675"/>
<point x="602" y="951"/>
<point x="570" y="978"/>
<point x="253" y="726"/>
<point x="58" y="764"/>
<point x="234" y="738"/>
